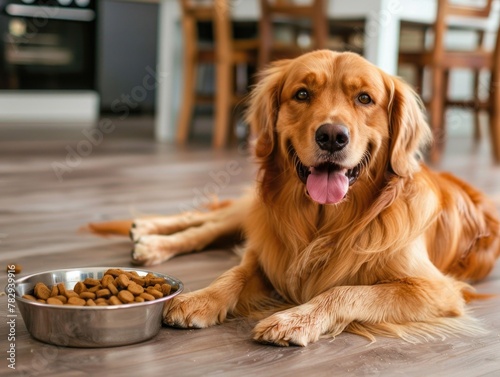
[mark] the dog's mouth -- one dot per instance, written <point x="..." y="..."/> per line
<point x="328" y="182"/>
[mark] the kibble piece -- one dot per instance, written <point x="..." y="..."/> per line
<point x="87" y="295"/>
<point x="147" y="296"/>
<point x="113" y="272"/>
<point x="80" y="287"/>
<point x="113" y="300"/>
<point x="102" y="304"/>
<point x="138" y="280"/>
<point x="54" y="301"/>
<point x="77" y="301"/>
<point x="154" y="292"/>
<point x="62" y="289"/>
<point x="42" y="291"/>
<point x="42" y="301"/>
<point x="17" y="268"/>
<point x="29" y="297"/>
<point x="166" y="289"/>
<point x="95" y="288"/>
<point x="127" y="274"/>
<point x="112" y="288"/>
<point x="157" y="280"/>
<point x="54" y="291"/>
<point x="135" y="289"/>
<point x="71" y="293"/>
<point x="139" y="299"/>
<point x="100" y="300"/>
<point x="91" y="282"/>
<point x="91" y="302"/>
<point x="62" y="298"/>
<point x="105" y="293"/>
<point x="123" y="280"/>
<point x="106" y="279"/>
<point x="125" y="296"/>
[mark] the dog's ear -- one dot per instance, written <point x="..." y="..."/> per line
<point x="409" y="132"/>
<point x="263" y="108"/>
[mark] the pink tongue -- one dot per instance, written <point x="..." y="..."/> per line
<point x="327" y="186"/>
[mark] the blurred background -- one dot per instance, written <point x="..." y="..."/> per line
<point x="177" y="71"/>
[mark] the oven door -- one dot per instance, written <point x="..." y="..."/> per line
<point x="48" y="47"/>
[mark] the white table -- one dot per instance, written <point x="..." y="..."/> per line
<point x="382" y="30"/>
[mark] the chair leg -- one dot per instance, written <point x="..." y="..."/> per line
<point x="188" y="102"/>
<point x="437" y="111"/>
<point x="419" y="80"/>
<point x="495" y="124"/>
<point x="223" y="98"/>
<point x="477" y="120"/>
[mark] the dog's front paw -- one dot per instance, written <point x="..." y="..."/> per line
<point x="142" y="227"/>
<point x="152" y="249"/>
<point x="194" y="310"/>
<point x="286" y="328"/>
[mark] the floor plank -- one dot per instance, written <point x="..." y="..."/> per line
<point x="39" y="220"/>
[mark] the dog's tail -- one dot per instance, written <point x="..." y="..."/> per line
<point x="108" y="228"/>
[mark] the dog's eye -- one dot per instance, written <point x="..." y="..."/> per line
<point x="364" y="98"/>
<point x="302" y="95"/>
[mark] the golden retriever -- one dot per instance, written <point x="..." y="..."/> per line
<point x="346" y="229"/>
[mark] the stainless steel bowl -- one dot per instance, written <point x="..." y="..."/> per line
<point x="83" y="326"/>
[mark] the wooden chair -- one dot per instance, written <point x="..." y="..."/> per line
<point x="441" y="60"/>
<point x="225" y="53"/>
<point x="494" y="101"/>
<point x="303" y="17"/>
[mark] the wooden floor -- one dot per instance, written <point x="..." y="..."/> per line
<point x="41" y="210"/>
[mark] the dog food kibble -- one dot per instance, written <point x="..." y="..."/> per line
<point x="62" y="298"/>
<point x="112" y="288"/>
<point x="106" y="280"/>
<point x="154" y="292"/>
<point x="104" y="293"/>
<point x="80" y="287"/>
<point x="16" y="268"/>
<point x="123" y="280"/>
<point x="42" y="292"/>
<point x="117" y="287"/>
<point x="70" y="293"/>
<point x="90" y="281"/>
<point x="88" y="295"/>
<point x="125" y="296"/>
<point x="62" y="289"/>
<point x="135" y="288"/>
<point x="147" y="296"/>
<point x="76" y="301"/>
<point x="113" y="300"/>
<point x="54" y="292"/>
<point x="54" y="301"/>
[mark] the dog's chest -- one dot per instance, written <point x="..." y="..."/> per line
<point x="301" y="270"/>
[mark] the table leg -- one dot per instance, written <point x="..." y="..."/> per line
<point x="168" y="48"/>
<point x="382" y="35"/>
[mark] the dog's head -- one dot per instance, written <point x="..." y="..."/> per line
<point x="333" y="118"/>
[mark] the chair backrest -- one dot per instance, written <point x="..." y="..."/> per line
<point x="464" y="10"/>
<point x="313" y="12"/>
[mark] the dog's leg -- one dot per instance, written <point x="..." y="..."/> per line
<point x="211" y="305"/>
<point x="406" y="301"/>
<point x="172" y="224"/>
<point x="158" y="239"/>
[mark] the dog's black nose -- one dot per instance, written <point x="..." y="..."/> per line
<point x="332" y="137"/>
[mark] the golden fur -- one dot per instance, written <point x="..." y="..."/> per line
<point x="391" y="258"/>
